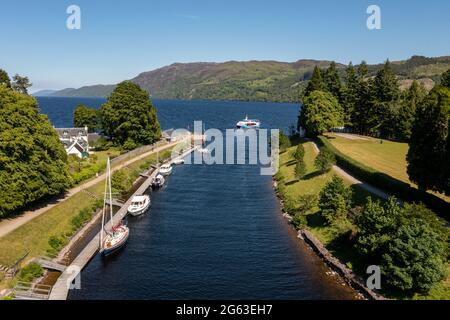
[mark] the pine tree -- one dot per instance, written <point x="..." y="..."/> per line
<point x="429" y="153"/>
<point x="316" y="82"/>
<point x="333" y="82"/>
<point x="406" y="113"/>
<point x="300" y="169"/>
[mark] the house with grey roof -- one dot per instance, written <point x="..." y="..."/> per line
<point x="75" y="140"/>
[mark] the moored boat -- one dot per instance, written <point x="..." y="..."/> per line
<point x="158" y="182"/>
<point x="165" y="170"/>
<point x="139" y="204"/>
<point x="178" y="161"/>
<point x="115" y="238"/>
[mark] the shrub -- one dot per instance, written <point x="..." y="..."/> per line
<point x="408" y="243"/>
<point x="300" y="169"/>
<point x="31" y="272"/>
<point x="81" y="218"/>
<point x="325" y="160"/>
<point x="284" y="141"/>
<point x="335" y="200"/>
<point x="299" y="152"/>
<point x="56" y="244"/>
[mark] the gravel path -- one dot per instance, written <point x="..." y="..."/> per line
<point x="347" y="176"/>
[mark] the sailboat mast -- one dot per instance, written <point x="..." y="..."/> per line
<point x="104" y="207"/>
<point x="110" y="194"/>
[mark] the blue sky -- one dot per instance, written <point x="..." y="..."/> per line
<point x="119" y="39"/>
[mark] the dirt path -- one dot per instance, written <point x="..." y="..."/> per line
<point x="9" y="225"/>
<point x="347" y="176"/>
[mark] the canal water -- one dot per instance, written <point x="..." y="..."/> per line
<point x="214" y="231"/>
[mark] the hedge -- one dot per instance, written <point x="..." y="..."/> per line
<point x="385" y="182"/>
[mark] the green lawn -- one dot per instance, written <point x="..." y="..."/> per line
<point x="388" y="157"/>
<point x="85" y="169"/>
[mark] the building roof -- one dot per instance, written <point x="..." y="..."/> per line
<point x="71" y="132"/>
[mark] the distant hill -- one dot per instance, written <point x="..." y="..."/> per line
<point x="253" y="80"/>
<point x="44" y="93"/>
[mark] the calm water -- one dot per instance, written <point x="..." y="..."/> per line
<point x="213" y="232"/>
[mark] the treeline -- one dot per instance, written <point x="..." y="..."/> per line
<point x="376" y="107"/>
<point x="33" y="162"/>
<point x="128" y="118"/>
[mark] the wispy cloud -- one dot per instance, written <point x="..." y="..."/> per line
<point x="188" y="16"/>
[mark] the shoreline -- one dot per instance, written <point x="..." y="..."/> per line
<point x="344" y="273"/>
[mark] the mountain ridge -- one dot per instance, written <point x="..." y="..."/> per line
<point x="254" y="80"/>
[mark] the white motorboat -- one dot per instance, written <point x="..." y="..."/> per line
<point x="165" y="170"/>
<point x="139" y="204"/>
<point x="248" y="123"/>
<point x="178" y="161"/>
<point x="115" y="238"/>
<point x="158" y="182"/>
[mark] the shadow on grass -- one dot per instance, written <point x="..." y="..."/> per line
<point x="312" y="175"/>
<point x="315" y="220"/>
<point x="291" y="182"/>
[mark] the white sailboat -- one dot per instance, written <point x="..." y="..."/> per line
<point x="115" y="238"/>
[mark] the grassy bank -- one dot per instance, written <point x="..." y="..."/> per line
<point x="382" y="155"/>
<point x="362" y="170"/>
<point x="36" y="236"/>
<point x="312" y="184"/>
<point x="334" y="237"/>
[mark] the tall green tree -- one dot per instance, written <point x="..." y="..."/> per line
<point x="376" y="225"/>
<point x="335" y="200"/>
<point x="332" y="82"/>
<point x="316" y="82"/>
<point x="21" y="84"/>
<point x="85" y="116"/>
<point x="299" y="152"/>
<point x="407" y="111"/>
<point x="320" y="112"/>
<point x="445" y="79"/>
<point x="4" y="78"/>
<point x="386" y="88"/>
<point x="128" y="116"/>
<point x="325" y="160"/>
<point x="350" y="96"/>
<point x="33" y="162"/>
<point x="300" y="169"/>
<point x="429" y="147"/>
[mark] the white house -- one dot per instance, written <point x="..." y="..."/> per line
<point x="75" y="140"/>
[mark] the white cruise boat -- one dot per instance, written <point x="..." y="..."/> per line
<point x="248" y="123"/>
<point x="165" y="170"/>
<point x="139" y="204"/>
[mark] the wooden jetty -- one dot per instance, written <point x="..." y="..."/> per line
<point x="60" y="290"/>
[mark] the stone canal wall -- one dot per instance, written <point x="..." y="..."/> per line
<point x="348" y="275"/>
